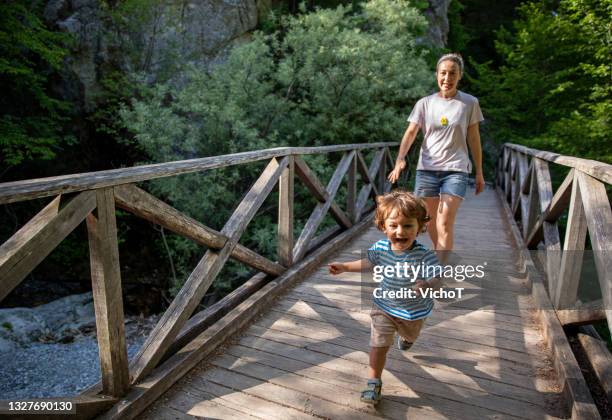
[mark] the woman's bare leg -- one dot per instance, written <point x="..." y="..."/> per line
<point x="432" y="204"/>
<point x="445" y="221"/>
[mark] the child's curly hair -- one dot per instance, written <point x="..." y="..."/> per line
<point x="407" y="203"/>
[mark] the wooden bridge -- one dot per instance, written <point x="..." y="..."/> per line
<point x="292" y="342"/>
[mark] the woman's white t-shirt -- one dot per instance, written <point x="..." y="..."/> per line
<point x="444" y="123"/>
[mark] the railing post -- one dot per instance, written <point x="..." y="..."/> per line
<point x="285" y="215"/>
<point x="108" y="301"/>
<point x="382" y="173"/>
<point x="351" y="190"/>
<point x="532" y="203"/>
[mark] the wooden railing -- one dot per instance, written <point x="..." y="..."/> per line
<point x="100" y="192"/>
<point x="523" y="175"/>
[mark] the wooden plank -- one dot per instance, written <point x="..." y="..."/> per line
<point x="285" y="215"/>
<point x="573" y="249"/>
<point x="277" y="394"/>
<point x="504" y="346"/>
<point x="436" y="321"/>
<point x="329" y="361"/>
<point x="31" y="244"/>
<point x="245" y="403"/>
<point x="599" y="357"/>
<point x="148" y="207"/>
<point x="340" y="348"/>
<point x="434" y="349"/>
<point x="341" y="401"/>
<point x="581" y="316"/>
<point x="351" y="190"/>
<point x="575" y="388"/>
<point x="164" y="413"/>
<point x="164" y="376"/>
<point x="199" y="404"/>
<point x="11" y="192"/>
<point x="108" y="299"/>
<point x="201" y="278"/>
<point x="253" y="405"/>
<point x="313" y="184"/>
<point x="599" y="170"/>
<point x="315" y="219"/>
<point x="599" y="221"/>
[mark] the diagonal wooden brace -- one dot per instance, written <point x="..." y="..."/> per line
<point x="321" y="209"/>
<point x="148" y="207"/>
<point x="34" y="241"/>
<point x="202" y="277"/>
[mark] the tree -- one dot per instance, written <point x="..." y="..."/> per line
<point x="553" y="90"/>
<point x="326" y="77"/>
<point x="31" y="117"/>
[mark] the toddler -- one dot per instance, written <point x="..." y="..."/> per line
<point x="401" y="216"/>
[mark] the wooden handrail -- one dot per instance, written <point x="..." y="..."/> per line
<point x="101" y="192"/>
<point x="11" y="192"/>
<point x="528" y="188"/>
<point x="601" y="171"/>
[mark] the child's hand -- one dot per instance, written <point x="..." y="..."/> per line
<point x="421" y="285"/>
<point x="336" y="268"/>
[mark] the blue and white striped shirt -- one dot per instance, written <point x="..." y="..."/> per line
<point x="381" y="254"/>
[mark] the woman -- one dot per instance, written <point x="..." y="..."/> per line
<point x="449" y="120"/>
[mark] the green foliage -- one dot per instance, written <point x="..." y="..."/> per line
<point x="326" y="77"/>
<point x="553" y="90"/>
<point x="31" y="118"/>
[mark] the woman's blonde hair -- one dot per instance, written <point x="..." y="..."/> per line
<point x="407" y="203"/>
<point x="455" y="58"/>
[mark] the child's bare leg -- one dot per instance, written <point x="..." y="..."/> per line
<point x="378" y="356"/>
<point x="432" y="204"/>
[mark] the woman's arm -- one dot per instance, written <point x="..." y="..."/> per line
<point x="473" y="139"/>
<point x="405" y="145"/>
<point x="352" y="266"/>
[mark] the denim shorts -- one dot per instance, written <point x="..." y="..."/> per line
<point x="434" y="183"/>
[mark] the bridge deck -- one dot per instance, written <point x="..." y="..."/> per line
<point x="307" y="356"/>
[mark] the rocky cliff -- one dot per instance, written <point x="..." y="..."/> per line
<point x="150" y="37"/>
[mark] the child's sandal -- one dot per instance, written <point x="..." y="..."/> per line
<point x="371" y="394"/>
<point x="402" y="344"/>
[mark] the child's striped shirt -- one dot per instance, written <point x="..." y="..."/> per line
<point x="381" y="254"/>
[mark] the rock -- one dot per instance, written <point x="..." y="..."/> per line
<point x="61" y="320"/>
<point x="154" y="41"/>
<point x="437" y="15"/>
<point x="20" y="325"/>
<point x="7" y="346"/>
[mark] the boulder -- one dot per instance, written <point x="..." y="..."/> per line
<point x="58" y="321"/>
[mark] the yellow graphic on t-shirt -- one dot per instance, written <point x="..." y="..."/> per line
<point x="444" y="121"/>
